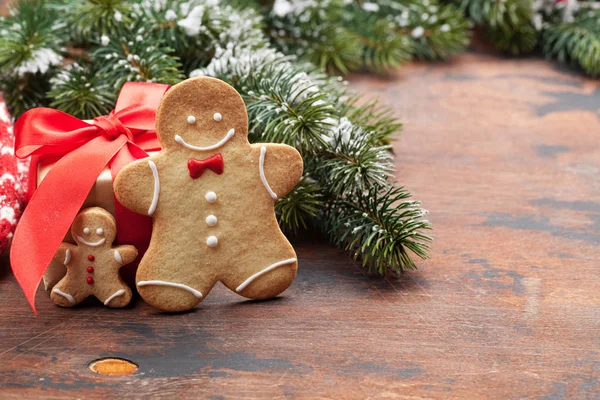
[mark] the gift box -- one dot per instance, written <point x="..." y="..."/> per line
<point x="101" y="195"/>
<point x="73" y="164"/>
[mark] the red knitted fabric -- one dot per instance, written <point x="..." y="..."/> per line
<point x="13" y="180"/>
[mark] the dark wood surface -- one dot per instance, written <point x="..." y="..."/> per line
<point x="506" y="155"/>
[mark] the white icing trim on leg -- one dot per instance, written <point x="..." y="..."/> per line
<point x="264" y="271"/>
<point x="261" y="169"/>
<point x="65" y="295"/>
<point x="193" y="291"/>
<point x="118" y="293"/>
<point x="118" y="257"/>
<point x="156" y="187"/>
<point x="67" y="257"/>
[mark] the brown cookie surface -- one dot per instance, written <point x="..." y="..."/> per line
<point x="93" y="263"/>
<point x="211" y="194"/>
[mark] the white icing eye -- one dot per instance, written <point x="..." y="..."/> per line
<point x="217" y="117"/>
<point x="191" y="119"/>
<point x="211" y="197"/>
<point x="212" y="241"/>
<point x="211" y="220"/>
<point x="99" y="231"/>
<point x="86" y="230"/>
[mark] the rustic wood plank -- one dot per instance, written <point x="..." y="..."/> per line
<point x="505" y="153"/>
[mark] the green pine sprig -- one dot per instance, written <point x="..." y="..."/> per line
<point x="508" y="24"/>
<point x="381" y="227"/>
<point x="31" y="47"/>
<point x="87" y="20"/>
<point x="133" y="56"/>
<point x="576" y="42"/>
<point x="78" y="90"/>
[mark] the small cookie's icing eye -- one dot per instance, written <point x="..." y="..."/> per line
<point x="99" y="231"/>
<point x="191" y="119"/>
<point x="217" y="117"/>
<point x="86" y="230"/>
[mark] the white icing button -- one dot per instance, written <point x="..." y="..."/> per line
<point x="211" y="220"/>
<point x="211" y="197"/>
<point x="86" y="230"/>
<point x="212" y="241"/>
<point x="217" y="117"/>
<point x="191" y="119"/>
<point x="99" y="231"/>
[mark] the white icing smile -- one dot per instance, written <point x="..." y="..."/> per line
<point x="220" y="143"/>
<point x="93" y="244"/>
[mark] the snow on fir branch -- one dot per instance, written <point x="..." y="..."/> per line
<point x="351" y="34"/>
<point x="347" y="184"/>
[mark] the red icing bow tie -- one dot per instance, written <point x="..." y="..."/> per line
<point x="197" y="167"/>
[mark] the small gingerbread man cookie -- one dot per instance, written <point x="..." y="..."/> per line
<point x="211" y="194"/>
<point x="93" y="264"/>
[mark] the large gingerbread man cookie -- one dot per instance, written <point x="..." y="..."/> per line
<point x="211" y="194"/>
<point x="93" y="264"/>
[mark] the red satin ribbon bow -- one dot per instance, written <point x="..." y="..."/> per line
<point x="197" y="167"/>
<point x="85" y="150"/>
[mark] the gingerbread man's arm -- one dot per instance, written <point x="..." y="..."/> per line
<point x="280" y="168"/>
<point x="137" y="186"/>
<point x="64" y="253"/>
<point x="124" y="254"/>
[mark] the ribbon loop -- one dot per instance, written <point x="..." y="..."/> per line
<point x="112" y="127"/>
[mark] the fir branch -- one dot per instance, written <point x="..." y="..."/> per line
<point x="508" y="23"/>
<point x="577" y="41"/>
<point x="24" y="93"/>
<point x="430" y="30"/>
<point x="87" y="20"/>
<point x="302" y="205"/>
<point x="135" y="56"/>
<point x="80" y="91"/>
<point x="381" y="228"/>
<point x="30" y="47"/>
<point x="383" y="47"/>
<point x="352" y="162"/>
<point x="193" y="29"/>
<point x="314" y="31"/>
<point x="377" y="119"/>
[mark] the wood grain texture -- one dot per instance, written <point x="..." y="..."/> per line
<point x="506" y="155"/>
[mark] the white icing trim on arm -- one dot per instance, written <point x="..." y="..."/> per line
<point x="118" y="257"/>
<point x="65" y="295"/>
<point x="264" y="271"/>
<point x="156" y="188"/>
<point x="67" y="257"/>
<point x="261" y="169"/>
<point x="118" y="293"/>
<point x="220" y="143"/>
<point x="172" y="284"/>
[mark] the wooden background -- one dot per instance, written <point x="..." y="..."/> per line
<point x="506" y="155"/>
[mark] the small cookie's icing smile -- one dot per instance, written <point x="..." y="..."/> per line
<point x="93" y="244"/>
<point x="220" y="143"/>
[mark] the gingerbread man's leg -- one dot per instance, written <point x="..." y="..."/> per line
<point x="67" y="295"/>
<point x="164" y="281"/>
<point x="115" y="296"/>
<point x="273" y="270"/>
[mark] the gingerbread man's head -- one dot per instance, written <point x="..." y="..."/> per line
<point x="94" y="227"/>
<point x="202" y="115"/>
